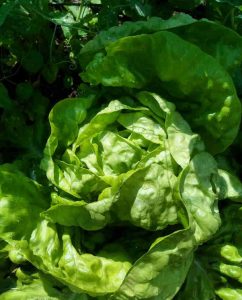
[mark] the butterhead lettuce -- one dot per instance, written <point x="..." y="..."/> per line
<point x="132" y="187"/>
<point x="120" y="176"/>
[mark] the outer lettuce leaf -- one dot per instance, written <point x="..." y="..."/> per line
<point x="20" y="198"/>
<point x="104" y="38"/>
<point x="161" y="271"/>
<point x="204" y="94"/>
<point x="81" y="272"/>
<point x="38" y="286"/>
<point x="224" y="44"/>
<point x="221" y="42"/>
<point x="40" y="244"/>
<point x="95" y="275"/>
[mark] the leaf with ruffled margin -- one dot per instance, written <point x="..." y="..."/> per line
<point x="204" y="94"/>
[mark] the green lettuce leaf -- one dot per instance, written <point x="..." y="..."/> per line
<point x="73" y="236"/>
<point x="198" y="285"/>
<point x="104" y="38"/>
<point x="216" y="270"/>
<point x="89" y="216"/>
<point x="231" y="186"/>
<point x="197" y="191"/>
<point x="161" y="271"/>
<point x="39" y="242"/>
<point x="145" y="198"/>
<point x="221" y="42"/>
<point x="140" y="178"/>
<point x="203" y="94"/>
<point x="229" y="293"/>
<point x="38" y="286"/>
<point x="27" y="198"/>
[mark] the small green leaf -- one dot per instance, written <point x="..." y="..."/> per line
<point x="33" y="61"/>
<point x="24" y="90"/>
<point x="50" y="72"/>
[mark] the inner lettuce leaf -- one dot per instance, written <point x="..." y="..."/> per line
<point x="196" y="187"/>
<point x="116" y="179"/>
<point x="204" y="94"/>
